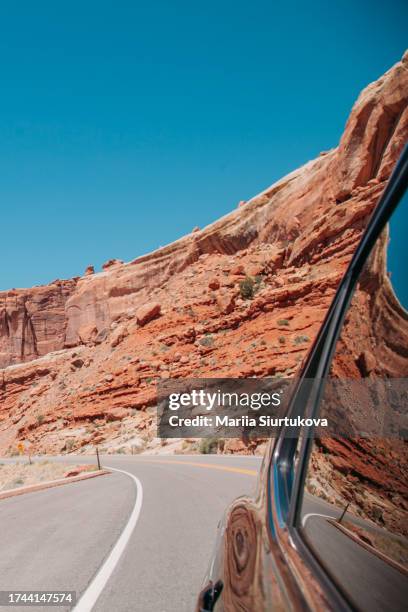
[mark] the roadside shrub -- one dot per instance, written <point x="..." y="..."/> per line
<point x="208" y="446"/>
<point x="136" y="449"/>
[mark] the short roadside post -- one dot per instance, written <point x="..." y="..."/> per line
<point x="97" y="458"/>
<point x="343" y="514"/>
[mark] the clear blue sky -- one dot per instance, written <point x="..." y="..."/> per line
<point x="125" y="124"/>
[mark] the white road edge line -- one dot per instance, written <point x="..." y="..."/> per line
<point x="95" y="588"/>
<point x="307" y="516"/>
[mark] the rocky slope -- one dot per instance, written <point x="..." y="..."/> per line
<point x="81" y="357"/>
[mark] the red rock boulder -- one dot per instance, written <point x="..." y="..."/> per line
<point x="147" y="312"/>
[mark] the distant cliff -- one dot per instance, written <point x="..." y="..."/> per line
<point x="33" y="321"/>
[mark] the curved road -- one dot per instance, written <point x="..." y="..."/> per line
<point x="141" y="541"/>
<point x="58" y="539"/>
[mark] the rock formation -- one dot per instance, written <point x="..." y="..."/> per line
<point x="33" y="321"/>
<point x="78" y="367"/>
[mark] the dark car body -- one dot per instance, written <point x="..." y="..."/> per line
<point x="261" y="559"/>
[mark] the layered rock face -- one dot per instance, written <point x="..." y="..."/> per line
<point x="83" y="365"/>
<point x="33" y="321"/>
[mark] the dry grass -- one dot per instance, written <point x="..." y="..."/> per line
<point x="15" y="475"/>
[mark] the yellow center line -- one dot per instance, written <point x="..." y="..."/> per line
<point x="211" y="466"/>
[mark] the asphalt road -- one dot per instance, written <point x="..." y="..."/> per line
<point x="58" y="539"/>
<point x="371" y="583"/>
<point x="141" y="541"/>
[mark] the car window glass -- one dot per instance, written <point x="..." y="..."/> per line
<point x="354" y="513"/>
<point x="397" y="270"/>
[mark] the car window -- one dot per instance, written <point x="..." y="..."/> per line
<point x="397" y="271"/>
<point x="354" y="512"/>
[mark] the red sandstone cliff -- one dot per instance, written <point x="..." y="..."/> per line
<point x="80" y="362"/>
<point x="33" y="321"/>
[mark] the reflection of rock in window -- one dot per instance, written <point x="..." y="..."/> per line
<point x="362" y="479"/>
<point x="374" y="338"/>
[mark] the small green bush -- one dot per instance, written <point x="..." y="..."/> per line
<point x="207" y="341"/>
<point x="283" y="322"/>
<point x="301" y="339"/>
<point x="69" y="444"/>
<point x="40" y="418"/>
<point x="208" y="446"/>
<point x="282" y="340"/>
<point x="246" y="288"/>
